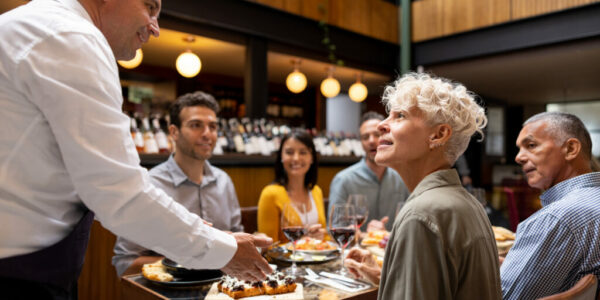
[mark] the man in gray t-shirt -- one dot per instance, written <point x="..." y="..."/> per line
<point x="188" y="177"/>
<point x="383" y="186"/>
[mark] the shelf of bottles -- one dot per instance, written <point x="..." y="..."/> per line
<point x="241" y="141"/>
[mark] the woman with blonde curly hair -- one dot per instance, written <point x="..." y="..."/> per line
<point x="442" y="245"/>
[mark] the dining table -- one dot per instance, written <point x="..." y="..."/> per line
<point x="135" y="286"/>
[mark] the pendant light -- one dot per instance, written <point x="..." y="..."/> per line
<point x="188" y="64"/>
<point x="296" y="81"/>
<point x="330" y="87"/>
<point x="358" y="92"/>
<point x="134" y="62"/>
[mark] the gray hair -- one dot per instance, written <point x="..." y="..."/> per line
<point x="563" y="126"/>
<point x="442" y="102"/>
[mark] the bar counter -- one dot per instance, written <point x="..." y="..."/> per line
<point x="251" y="173"/>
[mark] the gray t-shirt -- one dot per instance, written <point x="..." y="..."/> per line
<point x="383" y="196"/>
<point x="442" y="245"/>
<point x="214" y="200"/>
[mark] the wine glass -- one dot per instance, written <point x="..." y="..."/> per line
<point x="361" y="210"/>
<point x="342" y="227"/>
<point x="293" y="220"/>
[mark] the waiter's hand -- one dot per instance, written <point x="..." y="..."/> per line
<point x="247" y="263"/>
<point x="362" y="264"/>
<point x="376" y="225"/>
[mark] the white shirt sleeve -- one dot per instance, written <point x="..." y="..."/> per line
<point x="72" y="79"/>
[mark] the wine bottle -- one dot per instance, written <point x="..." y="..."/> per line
<point x="150" y="145"/>
<point x="162" y="141"/>
<point x="138" y="138"/>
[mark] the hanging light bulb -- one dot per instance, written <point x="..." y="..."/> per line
<point x="188" y="64"/>
<point x="296" y="81"/>
<point x="358" y="92"/>
<point x="330" y="87"/>
<point x="134" y="62"/>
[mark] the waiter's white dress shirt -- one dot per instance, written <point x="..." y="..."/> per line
<point x="65" y="143"/>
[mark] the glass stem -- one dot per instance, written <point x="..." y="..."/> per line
<point x="294" y="255"/>
<point x="342" y="268"/>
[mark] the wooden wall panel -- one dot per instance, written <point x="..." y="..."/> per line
<point x="528" y="8"/>
<point x="249" y="182"/>
<point x="464" y="15"/>
<point x="427" y="20"/>
<point x="355" y="17"/>
<point x="374" y="18"/>
<point x="384" y="21"/>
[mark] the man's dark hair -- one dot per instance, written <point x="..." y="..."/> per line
<point x="371" y="115"/>
<point x="191" y="99"/>
<point x="310" y="179"/>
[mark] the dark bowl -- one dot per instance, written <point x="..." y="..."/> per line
<point x="191" y="274"/>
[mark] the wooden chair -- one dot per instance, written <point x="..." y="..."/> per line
<point x="584" y="289"/>
<point x="513" y="212"/>
<point x="249" y="218"/>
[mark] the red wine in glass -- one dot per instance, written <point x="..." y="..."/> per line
<point x="294" y="233"/>
<point x="343" y="235"/>
<point x="342" y="227"/>
<point x="360" y="220"/>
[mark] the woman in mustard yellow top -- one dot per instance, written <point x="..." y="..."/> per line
<point x="295" y="182"/>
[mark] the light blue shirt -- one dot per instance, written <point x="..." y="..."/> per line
<point x="559" y="244"/>
<point x="214" y="200"/>
<point x="383" y="196"/>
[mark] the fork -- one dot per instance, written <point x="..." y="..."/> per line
<point x="316" y="276"/>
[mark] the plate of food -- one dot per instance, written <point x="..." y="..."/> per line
<point x="504" y="239"/>
<point x="312" y="246"/>
<point x="166" y="272"/>
<point x="376" y="238"/>
<point x="283" y="254"/>
<point x="276" y="286"/>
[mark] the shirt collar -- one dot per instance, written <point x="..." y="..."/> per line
<point x="370" y="172"/>
<point x="561" y="189"/>
<point x="179" y="177"/>
<point x="434" y="180"/>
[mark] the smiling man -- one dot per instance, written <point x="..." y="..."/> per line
<point x="188" y="177"/>
<point x="558" y="245"/>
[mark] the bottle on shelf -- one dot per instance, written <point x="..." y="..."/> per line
<point x="136" y="134"/>
<point x="162" y="142"/>
<point x="150" y="145"/>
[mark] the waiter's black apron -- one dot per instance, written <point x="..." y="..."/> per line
<point x="55" y="269"/>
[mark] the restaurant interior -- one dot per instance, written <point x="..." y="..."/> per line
<point x="520" y="57"/>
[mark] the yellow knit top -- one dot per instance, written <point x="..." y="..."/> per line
<point x="271" y="202"/>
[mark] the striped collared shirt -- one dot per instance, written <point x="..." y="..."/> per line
<point x="557" y="245"/>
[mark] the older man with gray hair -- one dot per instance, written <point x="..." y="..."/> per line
<point x="558" y="245"/>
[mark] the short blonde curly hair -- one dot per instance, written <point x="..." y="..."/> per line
<point x="442" y="102"/>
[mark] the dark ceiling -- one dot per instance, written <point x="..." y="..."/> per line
<point x="559" y="73"/>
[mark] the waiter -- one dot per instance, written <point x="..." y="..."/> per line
<point x="66" y="152"/>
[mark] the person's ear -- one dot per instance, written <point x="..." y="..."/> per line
<point x="571" y="148"/>
<point x="174" y="132"/>
<point x="440" y="135"/>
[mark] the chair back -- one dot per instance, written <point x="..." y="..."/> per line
<point x="584" y="289"/>
<point x="249" y="218"/>
<point x="513" y="212"/>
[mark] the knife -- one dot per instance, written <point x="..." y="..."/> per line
<point x="341" y="278"/>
